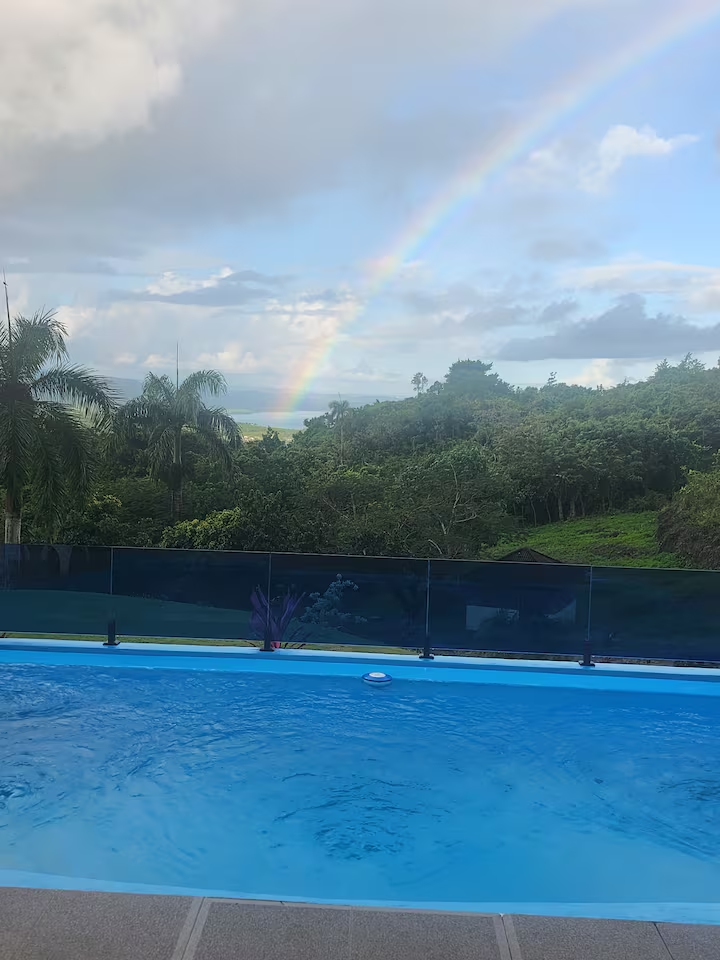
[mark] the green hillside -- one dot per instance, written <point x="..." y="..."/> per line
<point x="617" y="539"/>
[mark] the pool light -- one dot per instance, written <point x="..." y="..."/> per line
<point x="377" y="678"/>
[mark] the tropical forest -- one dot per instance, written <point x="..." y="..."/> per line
<point x="465" y="467"/>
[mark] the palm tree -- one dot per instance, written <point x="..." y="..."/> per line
<point x="166" y="412"/>
<point x="338" y="411"/>
<point x="48" y="410"/>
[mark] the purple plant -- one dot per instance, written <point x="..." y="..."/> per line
<point x="271" y="619"/>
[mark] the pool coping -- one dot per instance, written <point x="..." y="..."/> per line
<point x="440" y="663"/>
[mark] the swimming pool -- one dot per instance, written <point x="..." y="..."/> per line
<point x="285" y="777"/>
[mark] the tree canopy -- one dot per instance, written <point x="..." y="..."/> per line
<point x="165" y="413"/>
<point x="452" y="471"/>
<point x="49" y="410"/>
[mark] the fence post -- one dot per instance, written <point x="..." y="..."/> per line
<point x="427" y="652"/>
<point x="587" y="660"/>
<point x="112" y="640"/>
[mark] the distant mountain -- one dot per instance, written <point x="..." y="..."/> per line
<point x="127" y="389"/>
<point x="265" y="398"/>
<point x="257" y="398"/>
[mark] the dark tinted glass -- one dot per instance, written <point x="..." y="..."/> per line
<point x="655" y="614"/>
<point x="519" y="607"/>
<point x="46" y="590"/>
<point x="198" y="594"/>
<point x="384" y="604"/>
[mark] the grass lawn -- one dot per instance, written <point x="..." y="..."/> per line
<point x="616" y="539"/>
<point x="184" y="641"/>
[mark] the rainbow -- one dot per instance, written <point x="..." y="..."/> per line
<point x="514" y="143"/>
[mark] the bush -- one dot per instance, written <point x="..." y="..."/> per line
<point x="690" y="524"/>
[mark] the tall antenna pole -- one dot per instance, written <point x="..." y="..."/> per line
<point x="7" y="308"/>
<point x="177" y="364"/>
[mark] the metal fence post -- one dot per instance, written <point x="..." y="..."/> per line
<point x="587" y="660"/>
<point x="427" y="652"/>
<point x="112" y="640"/>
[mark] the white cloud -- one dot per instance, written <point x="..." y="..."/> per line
<point x="85" y="69"/>
<point x="232" y="358"/>
<point x="591" y="167"/>
<point x="601" y="372"/>
<point x="76" y="320"/>
<point x="170" y="283"/>
<point x="618" y="145"/>
<point x="696" y="287"/>
<point x="278" y="339"/>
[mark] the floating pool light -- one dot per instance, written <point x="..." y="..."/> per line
<point x="377" y="678"/>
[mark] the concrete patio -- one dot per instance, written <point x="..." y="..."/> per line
<point x="62" y="925"/>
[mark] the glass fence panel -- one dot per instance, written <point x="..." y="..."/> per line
<point x="49" y="590"/>
<point x="191" y="594"/>
<point x="655" y="614"/>
<point x="350" y="600"/>
<point x="504" y="607"/>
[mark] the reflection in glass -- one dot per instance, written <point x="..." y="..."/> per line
<point x="352" y="600"/>
<point x="655" y="613"/>
<point x="193" y="594"/>
<point x="519" y="607"/>
<point x="46" y="590"/>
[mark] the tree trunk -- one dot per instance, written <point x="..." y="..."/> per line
<point x="561" y="516"/>
<point x="176" y="492"/>
<point x="12" y="520"/>
<point x="176" y="503"/>
<point x="572" y="509"/>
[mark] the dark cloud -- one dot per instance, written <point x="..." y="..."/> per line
<point x="287" y="101"/>
<point x="626" y="331"/>
<point x="558" y="249"/>
<point x="500" y="315"/>
<point x="458" y="296"/>
<point x="59" y="264"/>
<point x="558" y="311"/>
<point x="462" y="308"/>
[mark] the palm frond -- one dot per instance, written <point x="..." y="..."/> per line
<point x="48" y="478"/>
<point x="139" y="416"/>
<point x="160" y="449"/>
<point x="220" y="432"/>
<point x="18" y="436"/>
<point x="218" y="421"/>
<point x="64" y="458"/>
<point x="36" y="340"/>
<point x="78" y="387"/>
<point x="203" y="381"/>
<point x="158" y="389"/>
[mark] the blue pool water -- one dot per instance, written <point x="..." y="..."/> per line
<point x="322" y="787"/>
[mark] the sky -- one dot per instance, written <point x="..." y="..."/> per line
<point x="314" y="195"/>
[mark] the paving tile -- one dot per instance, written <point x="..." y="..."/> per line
<point x="70" y="925"/>
<point x="565" y="938"/>
<point x="401" y="935"/>
<point x="690" y="941"/>
<point x="237" y="931"/>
